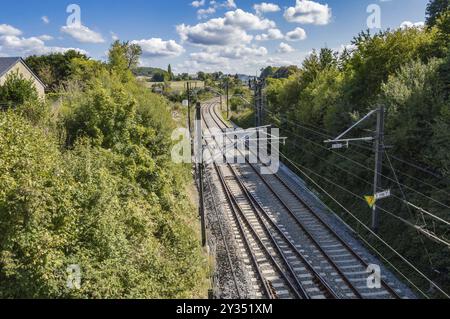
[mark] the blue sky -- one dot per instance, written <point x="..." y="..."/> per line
<point x="229" y="35"/>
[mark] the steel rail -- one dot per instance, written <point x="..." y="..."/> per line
<point x="222" y="233"/>
<point x="237" y="210"/>
<point x="326" y="290"/>
<point x="319" y="218"/>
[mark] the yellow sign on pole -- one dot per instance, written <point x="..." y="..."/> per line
<point x="371" y="200"/>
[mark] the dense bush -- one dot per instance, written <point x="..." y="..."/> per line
<point x="97" y="189"/>
<point x="54" y="69"/>
<point x="17" y="90"/>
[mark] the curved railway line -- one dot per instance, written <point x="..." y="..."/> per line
<point x="288" y="250"/>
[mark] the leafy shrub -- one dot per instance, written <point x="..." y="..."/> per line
<point x="17" y="90"/>
<point x="108" y="198"/>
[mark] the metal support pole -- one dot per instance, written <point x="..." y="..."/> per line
<point x="189" y="106"/>
<point x="261" y="102"/>
<point x="379" y="149"/>
<point x="255" y="94"/>
<point x="228" y="104"/>
<point x="188" y="86"/>
<point x="199" y="160"/>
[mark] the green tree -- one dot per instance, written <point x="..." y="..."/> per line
<point x="54" y="69"/>
<point x="133" y="53"/>
<point x="267" y="72"/>
<point x="285" y="72"/>
<point x="123" y="57"/>
<point x="201" y="76"/>
<point x="378" y="56"/>
<point x="169" y="71"/>
<point x="435" y="9"/>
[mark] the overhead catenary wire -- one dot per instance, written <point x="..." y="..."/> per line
<point x="328" y="135"/>
<point x="423" y="231"/>
<point x="404" y="201"/>
<point x="419" y="229"/>
<point x="367" y="168"/>
<point x="296" y="165"/>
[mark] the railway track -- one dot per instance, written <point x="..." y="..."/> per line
<point x="288" y="249"/>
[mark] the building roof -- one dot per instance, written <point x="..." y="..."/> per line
<point x="7" y="63"/>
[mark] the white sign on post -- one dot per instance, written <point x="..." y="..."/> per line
<point x="382" y="195"/>
<point x="185" y="103"/>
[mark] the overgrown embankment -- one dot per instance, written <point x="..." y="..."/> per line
<point x="94" y="186"/>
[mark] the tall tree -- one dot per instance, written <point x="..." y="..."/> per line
<point x="124" y="56"/>
<point x="435" y="9"/>
<point x="169" y="70"/>
<point x="54" y="69"/>
<point x="133" y="53"/>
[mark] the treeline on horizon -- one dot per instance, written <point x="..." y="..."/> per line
<point x="86" y="179"/>
<point x="406" y="70"/>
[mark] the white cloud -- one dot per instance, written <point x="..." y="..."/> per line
<point x="308" y="12"/>
<point x="197" y="4"/>
<point x="247" y="21"/>
<point x="229" y="4"/>
<point x="265" y="7"/>
<point x="272" y="34"/>
<point x="296" y="35"/>
<point x="204" y="13"/>
<point x="82" y="34"/>
<point x="213" y="32"/>
<point x="222" y="58"/>
<point x="156" y="47"/>
<point x="346" y="47"/>
<point x="45" y="19"/>
<point x="409" y="24"/>
<point x="45" y="37"/>
<point x="211" y="58"/>
<point x="114" y="36"/>
<point x="242" y="52"/>
<point x="285" y="48"/>
<point x="6" y="29"/>
<point x="229" y="30"/>
<point x="20" y="46"/>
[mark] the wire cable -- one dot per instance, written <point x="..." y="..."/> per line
<point x="403" y="200"/>
<point x="376" y="236"/>
<point x="367" y="168"/>
<point x="362" y="147"/>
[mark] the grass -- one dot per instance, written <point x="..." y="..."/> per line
<point x="244" y="118"/>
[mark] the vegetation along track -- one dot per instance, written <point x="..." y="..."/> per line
<point x="288" y="249"/>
